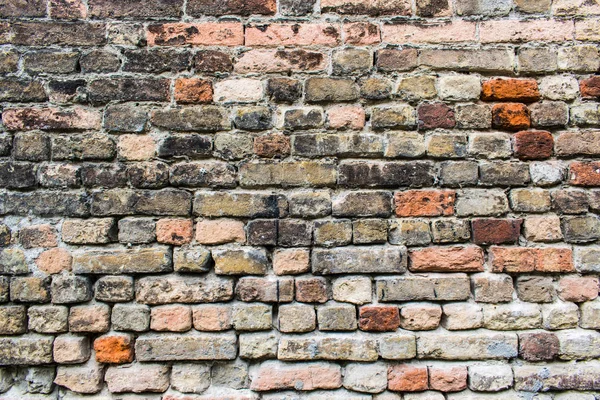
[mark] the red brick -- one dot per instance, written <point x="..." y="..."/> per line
<point x="582" y="173"/>
<point x="212" y="318"/>
<point x="435" y="115"/>
<point x="496" y="231"/>
<point x="197" y="34"/>
<point x="114" y="349"/>
<point x="578" y="289"/>
<point x="271" y="146"/>
<point x="311" y="290"/>
<point x="361" y="33"/>
<point x="511" y="116"/>
<point x="407" y="378"/>
<point x="378" y="318"/>
<point x="293" y="35"/>
<point x="538" y="346"/>
<point x="174" y="318"/>
<point x="447" y="259"/>
<point x="192" y="90"/>
<point x="590" y="87"/>
<point x="533" y="145"/>
<point x="451" y="379"/>
<point x="174" y="231"/>
<point x="554" y="259"/>
<point x="279" y="376"/>
<point x="525" y="259"/>
<point x="523" y="90"/>
<point x="54" y="261"/>
<point x="424" y="203"/>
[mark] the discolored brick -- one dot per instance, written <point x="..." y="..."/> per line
<point x="496" y="231"/>
<point x="378" y="318"/>
<point x="511" y="116"/>
<point x="533" y="145"/>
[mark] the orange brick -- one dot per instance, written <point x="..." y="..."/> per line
<point x="174" y="231"/>
<point x="199" y="34"/>
<point x="524" y="90"/>
<point x="447" y="259"/>
<point x="114" y="349"/>
<point x="192" y="90"/>
<point x="54" y="261"/>
<point x="524" y="259"/>
<point x="511" y="116"/>
<point x="452" y="379"/>
<point x="424" y="203"/>
<point x="406" y="378"/>
<point x="584" y="173"/>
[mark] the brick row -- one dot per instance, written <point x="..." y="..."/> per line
<point x="196" y="8"/>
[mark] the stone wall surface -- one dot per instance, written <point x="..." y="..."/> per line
<point x="299" y="199"/>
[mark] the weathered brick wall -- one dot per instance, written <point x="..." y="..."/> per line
<point x="299" y="199"/>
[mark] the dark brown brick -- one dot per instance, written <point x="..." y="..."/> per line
<point x="198" y="8"/>
<point x="543" y="346"/>
<point x="378" y="318"/>
<point x="436" y="115"/>
<point x="533" y="145"/>
<point x="58" y="33"/>
<point x="135" y="8"/>
<point x="496" y="231"/>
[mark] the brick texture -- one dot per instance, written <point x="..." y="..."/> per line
<point x="299" y="199"/>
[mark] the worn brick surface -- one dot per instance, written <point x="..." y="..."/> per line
<point x="299" y="199"/>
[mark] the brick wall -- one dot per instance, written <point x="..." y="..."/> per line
<point x="299" y="199"/>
